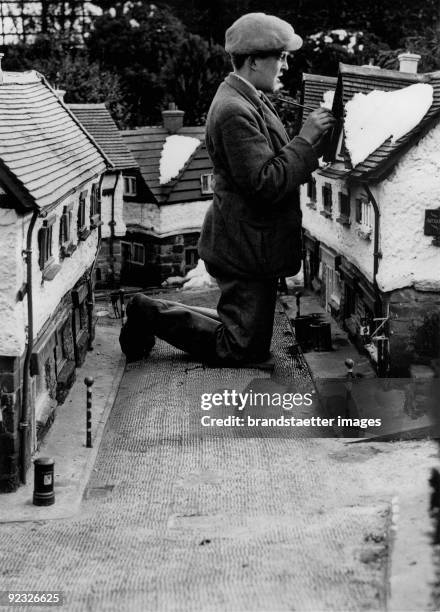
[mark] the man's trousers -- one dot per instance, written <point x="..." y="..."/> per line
<point x="239" y="331"/>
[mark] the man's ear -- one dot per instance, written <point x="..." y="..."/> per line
<point x="252" y="62"/>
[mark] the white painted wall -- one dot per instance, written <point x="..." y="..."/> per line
<point x="343" y="240"/>
<point x="12" y="332"/>
<point x="409" y="258"/>
<point x="179" y="218"/>
<point x="145" y="215"/>
<point x="47" y="294"/>
<point x="168" y="219"/>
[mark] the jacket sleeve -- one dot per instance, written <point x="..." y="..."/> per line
<point x="254" y="167"/>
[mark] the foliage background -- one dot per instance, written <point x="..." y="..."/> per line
<point x="138" y="56"/>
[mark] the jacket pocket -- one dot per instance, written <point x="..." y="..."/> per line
<point x="282" y="250"/>
<point x="252" y="245"/>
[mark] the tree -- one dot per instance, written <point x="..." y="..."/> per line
<point x="326" y="49"/>
<point x="391" y="21"/>
<point x="137" y="43"/>
<point x="70" y="69"/>
<point x="192" y="76"/>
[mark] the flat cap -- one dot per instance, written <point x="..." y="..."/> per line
<point x="256" y="32"/>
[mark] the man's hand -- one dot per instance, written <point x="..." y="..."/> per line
<point x="316" y="125"/>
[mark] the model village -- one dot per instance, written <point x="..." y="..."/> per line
<point x="91" y="214"/>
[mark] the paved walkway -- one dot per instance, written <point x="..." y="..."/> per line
<point x="178" y="518"/>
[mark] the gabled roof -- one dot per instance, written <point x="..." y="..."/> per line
<point x="364" y="79"/>
<point x="381" y="161"/>
<point x="146" y="145"/>
<point x="99" y="123"/>
<point x="45" y="153"/>
<point x="313" y="90"/>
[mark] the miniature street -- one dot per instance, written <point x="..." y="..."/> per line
<point x="175" y="517"/>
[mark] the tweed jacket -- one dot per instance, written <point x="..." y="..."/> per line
<point x="253" y="226"/>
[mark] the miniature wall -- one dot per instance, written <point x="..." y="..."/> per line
<point x="166" y="219"/>
<point x="112" y="182"/>
<point x="46" y="294"/>
<point x="12" y="323"/>
<point x="9" y="435"/>
<point x="142" y="215"/>
<point x="344" y="240"/>
<point x="409" y="258"/>
<point x="185" y="217"/>
<point x="414" y="326"/>
<point x="172" y="254"/>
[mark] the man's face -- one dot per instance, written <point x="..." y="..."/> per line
<point x="268" y="71"/>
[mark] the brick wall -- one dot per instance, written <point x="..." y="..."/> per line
<point x="414" y="328"/>
<point x="164" y="257"/>
<point x="171" y="254"/>
<point x="56" y="378"/>
<point x="9" y="413"/>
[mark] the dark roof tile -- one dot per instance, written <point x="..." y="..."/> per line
<point x="43" y="148"/>
<point x="364" y="79"/>
<point x="146" y="145"/>
<point x="99" y="123"/>
<point x="314" y="88"/>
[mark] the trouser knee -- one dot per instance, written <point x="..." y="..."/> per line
<point x="141" y="306"/>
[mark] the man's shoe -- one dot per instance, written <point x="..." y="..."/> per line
<point x="135" y="345"/>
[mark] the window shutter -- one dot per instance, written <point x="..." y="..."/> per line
<point x="359" y="211"/>
<point x="42" y="237"/>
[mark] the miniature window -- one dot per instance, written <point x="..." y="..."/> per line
<point x="327" y="198"/>
<point x="207" y="183"/>
<point x="344" y="205"/>
<point x="336" y="291"/>
<point x="82" y="215"/>
<point x="364" y="213"/>
<point x="350" y="301"/>
<point x="138" y="254"/>
<point x="333" y="287"/>
<point x="358" y="211"/>
<point x="130" y="185"/>
<point x="59" y="351"/>
<point x="45" y="243"/>
<point x="95" y="206"/>
<point x="65" y="226"/>
<point x="311" y="190"/>
<point x="78" y="320"/>
<point x="191" y="257"/>
<point x="65" y="235"/>
<point x="367" y="215"/>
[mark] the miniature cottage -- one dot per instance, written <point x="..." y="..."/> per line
<point x="50" y="177"/>
<point x="372" y="230"/>
<point x="164" y="231"/>
<point x="123" y="187"/>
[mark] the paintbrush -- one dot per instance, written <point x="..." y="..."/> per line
<point x="309" y="108"/>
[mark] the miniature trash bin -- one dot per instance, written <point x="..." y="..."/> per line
<point x="44" y="494"/>
<point x="302" y="331"/>
<point x="325" y="336"/>
<point x="321" y="335"/>
<point x="314" y="328"/>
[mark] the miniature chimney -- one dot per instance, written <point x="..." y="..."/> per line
<point x="2" y="55"/>
<point x="172" y="118"/>
<point x="408" y="62"/>
<point x="60" y="93"/>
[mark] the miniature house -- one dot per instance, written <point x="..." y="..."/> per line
<point x="122" y="189"/>
<point x="372" y="230"/>
<point x="50" y="212"/>
<point x="162" y="232"/>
